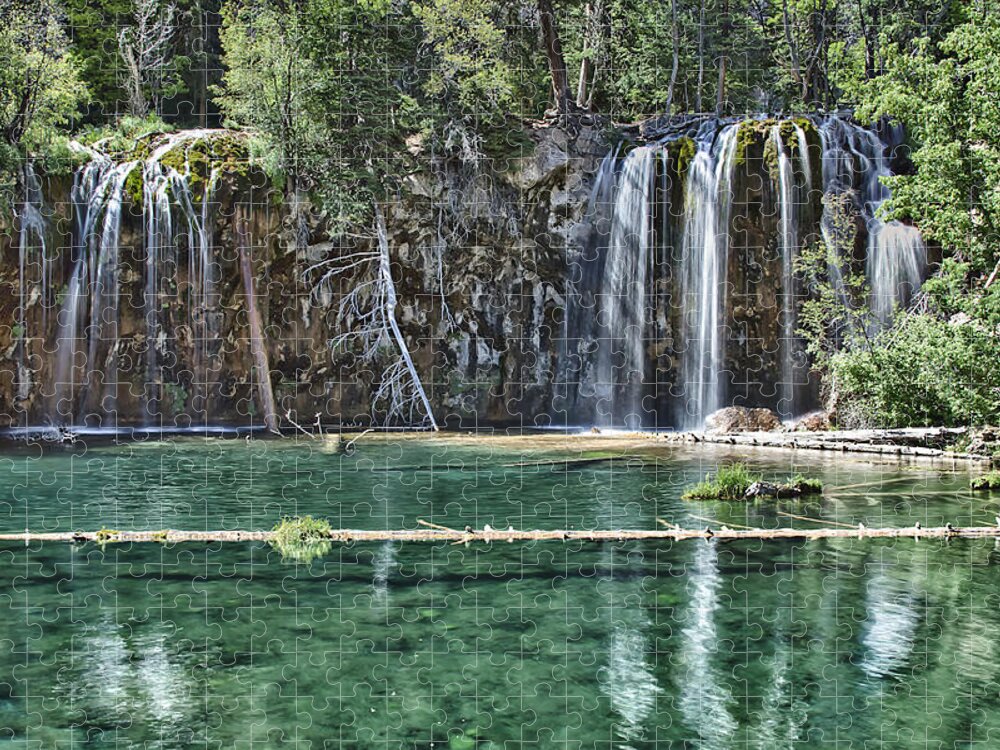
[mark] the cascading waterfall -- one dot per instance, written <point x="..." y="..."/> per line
<point x="622" y="313"/>
<point x="85" y="369"/>
<point x="698" y="261"/>
<point x="31" y="241"/>
<point x="896" y="257"/>
<point x="705" y="243"/>
<point x="166" y="190"/>
<point x="793" y="198"/>
<point x="97" y="196"/>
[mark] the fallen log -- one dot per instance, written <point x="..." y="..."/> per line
<point x="878" y="442"/>
<point x="442" y="534"/>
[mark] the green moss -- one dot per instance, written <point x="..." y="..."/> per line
<point x="134" y="186"/>
<point x="684" y="151"/>
<point x="772" y="159"/>
<point x="746" y="136"/>
<point x="988" y="481"/>
<point x="730" y="482"/>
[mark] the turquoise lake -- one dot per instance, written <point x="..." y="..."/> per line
<point x="840" y="643"/>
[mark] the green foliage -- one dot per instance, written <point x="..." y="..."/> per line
<point x="40" y="85"/>
<point x="302" y="539"/>
<point x="835" y="316"/>
<point x="987" y="481"/>
<point x="924" y="371"/>
<point x="471" y="40"/>
<point x="730" y="482"/>
<point x="946" y="94"/>
<point x="127" y="138"/>
<point x="314" y="82"/>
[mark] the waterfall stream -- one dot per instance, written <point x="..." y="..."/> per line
<point x="896" y="257"/>
<point x="88" y="342"/>
<point x="705" y="251"/>
<point x="708" y="342"/>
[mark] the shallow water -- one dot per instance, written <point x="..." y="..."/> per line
<point x="390" y="482"/>
<point x="834" y="643"/>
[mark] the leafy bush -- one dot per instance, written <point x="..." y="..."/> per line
<point x="924" y="371"/>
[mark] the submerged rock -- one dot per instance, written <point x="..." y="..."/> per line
<point x="742" y="419"/>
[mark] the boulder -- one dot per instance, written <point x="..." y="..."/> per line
<point x="742" y="419"/>
<point x="762" y="489"/>
<point x="817" y="421"/>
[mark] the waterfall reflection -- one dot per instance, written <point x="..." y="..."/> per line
<point x="704" y="697"/>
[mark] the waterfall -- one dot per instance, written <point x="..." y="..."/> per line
<point x="896" y="258"/>
<point x="86" y="363"/>
<point x="705" y="251"/>
<point x="683" y="252"/>
<point x="793" y="198"/>
<point x="31" y="241"/>
<point x="97" y="196"/>
<point x="622" y="302"/>
<point x="166" y="192"/>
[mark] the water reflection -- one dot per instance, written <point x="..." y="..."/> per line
<point x="889" y="627"/>
<point x="704" y="694"/>
<point x="701" y="645"/>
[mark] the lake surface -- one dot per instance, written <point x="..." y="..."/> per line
<point x="840" y="643"/>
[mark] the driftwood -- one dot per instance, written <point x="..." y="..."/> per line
<point x="436" y="533"/>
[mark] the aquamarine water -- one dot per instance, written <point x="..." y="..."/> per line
<point x="840" y="643"/>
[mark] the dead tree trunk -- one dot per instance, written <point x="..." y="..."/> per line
<point x="385" y="272"/>
<point x="727" y="30"/>
<point x="262" y="370"/>
<point x="676" y="57"/>
<point x="554" y="53"/>
<point x="367" y="326"/>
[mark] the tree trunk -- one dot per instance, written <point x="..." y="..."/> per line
<point x="385" y="271"/>
<point x="720" y="98"/>
<point x="676" y="57"/>
<point x="793" y="52"/>
<point x="262" y="370"/>
<point x="554" y="53"/>
<point x="727" y="29"/>
<point x="701" y="56"/>
<point x="587" y="61"/>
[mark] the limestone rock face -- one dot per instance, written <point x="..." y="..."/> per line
<point x="742" y="419"/>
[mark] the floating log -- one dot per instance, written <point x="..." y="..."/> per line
<point x="434" y="533"/>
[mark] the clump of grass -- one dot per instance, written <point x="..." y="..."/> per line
<point x="729" y="483"/>
<point x="302" y="539"/>
<point x="802" y="485"/>
<point x="988" y="481"/>
<point x="732" y="481"/>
